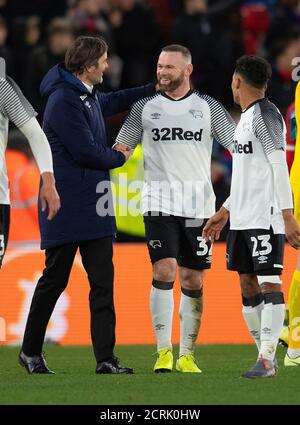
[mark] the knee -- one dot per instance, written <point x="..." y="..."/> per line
<point x="249" y="285"/>
<point x="268" y="288"/>
<point x="269" y="283"/>
<point x="191" y="279"/>
<point x="165" y="270"/>
<point x="49" y="281"/>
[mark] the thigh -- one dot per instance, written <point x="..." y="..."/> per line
<point x="267" y="250"/>
<point x="195" y="251"/>
<point x="4" y="229"/>
<point x="162" y="236"/>
<point x="238" y="254"/>
<point x="97" y="258"/>
<point x="59" y="262"/>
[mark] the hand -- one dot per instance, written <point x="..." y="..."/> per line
<point x="127" y="154"/>
<point x="292" y="230"/>
<point x="124" y="149"/>
<point x="121" y="147"/>
<point x="215" y="224"/>
<point x="49" y="195"/>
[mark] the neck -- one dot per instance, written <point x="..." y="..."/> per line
<point x="181" y="91"/>
<point x="249" y="98"/>
<point x="84" y="79"/>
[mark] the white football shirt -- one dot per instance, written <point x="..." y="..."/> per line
<point x="177" y="137"/>
<point x="253" y="201"/>
<point x="13" y="107"/>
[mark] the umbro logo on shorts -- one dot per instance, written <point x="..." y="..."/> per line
<point x="262" y="259"/>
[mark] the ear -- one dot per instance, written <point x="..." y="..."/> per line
<point x="90" y="68"/>
<point x="189" y="69"/>
<point x="237" y="81"/>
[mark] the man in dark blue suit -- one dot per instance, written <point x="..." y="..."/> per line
<point x="74" y="125"/>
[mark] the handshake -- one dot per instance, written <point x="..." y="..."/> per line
<point x="126" y="150"/>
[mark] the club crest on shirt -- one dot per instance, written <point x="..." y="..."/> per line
<point x="246" y="126"/>
<point x="196" y="113"/>
<point x="84" y="96"/>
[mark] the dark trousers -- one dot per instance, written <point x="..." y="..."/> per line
<point x="97" y="260"/>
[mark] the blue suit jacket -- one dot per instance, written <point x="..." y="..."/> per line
<point x="74" y="125"/>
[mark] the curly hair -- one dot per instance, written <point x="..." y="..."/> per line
<point x="255" y="70"/>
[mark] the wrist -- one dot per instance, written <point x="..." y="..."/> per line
<point x="223" y="211"/>
<point x="48" y="178"/>
<point x="287" y="214"/>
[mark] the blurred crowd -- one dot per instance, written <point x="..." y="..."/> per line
<point x="35" y="34"/>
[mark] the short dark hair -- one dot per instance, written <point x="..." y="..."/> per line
<point x="84" y="51"/>
<point x="255" y="70"/>
<point x="178" y="48"/>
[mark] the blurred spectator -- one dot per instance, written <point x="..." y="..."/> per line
<point x="282" y="45"/>
<point x="164" y="15"/>
<point x="42" y="58"/>
<point x="137" y="38"/>
<point x="25" y="36"/>
<point x="211" y="48"/>
<point x="45" y="9"/>
<point x="91" y="17"/>
<point x="255" y="23"/>
<point x="5" y="51"/>
<point x="290" y="10"/>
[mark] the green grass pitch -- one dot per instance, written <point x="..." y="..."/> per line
<point x="75" y="381"/>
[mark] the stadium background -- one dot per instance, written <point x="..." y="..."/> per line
<point x="34" y="36"/>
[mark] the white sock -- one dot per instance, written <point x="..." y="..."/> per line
<point x="272" y="318"/>
<point x="293" y="353"/>
<point x="161" y="307"/>
<point x="190" y="312"/>
<point x="252" y="317"/>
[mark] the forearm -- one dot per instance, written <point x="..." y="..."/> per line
<point x="39" y="145"/>
<point x="103" y="159"/>
<point x="226" y="204"/>
<point x="281" y="180"/>
<point x="120" y="101"/>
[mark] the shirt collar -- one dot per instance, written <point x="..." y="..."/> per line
<point x="87" y="86"/>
